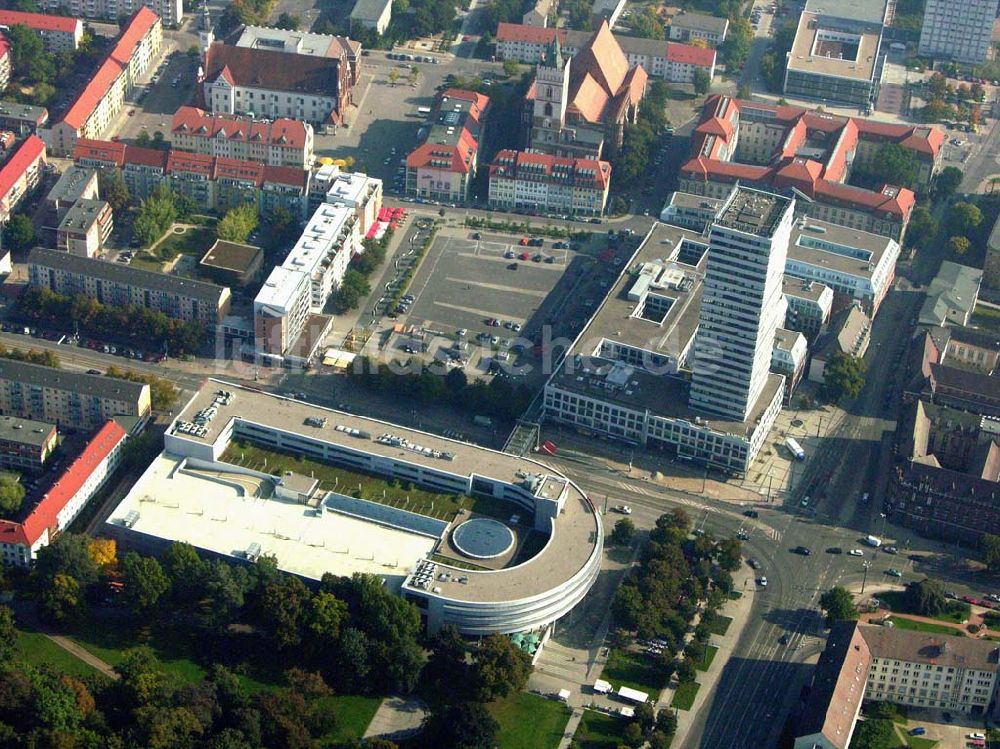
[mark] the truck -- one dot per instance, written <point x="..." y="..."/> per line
<point x="873" y="541"/>
<point x="795" y="448"/>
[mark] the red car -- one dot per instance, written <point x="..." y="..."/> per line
<point x="524" y="256"/>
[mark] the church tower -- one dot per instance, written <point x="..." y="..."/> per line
<point x="551" y="94"/>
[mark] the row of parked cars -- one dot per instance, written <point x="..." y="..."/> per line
<point x="75" y="340"/>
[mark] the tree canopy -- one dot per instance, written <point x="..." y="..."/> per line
<point x="843" y="376"/>
<point x="838" y="603"/>
<point x="925" y="597"/>
<point x="11" y="494"/>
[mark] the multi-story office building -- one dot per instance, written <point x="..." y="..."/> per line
<point x="741" y="305"/>
<point x="20" y="174"/>
<point x="215" y="183"/>
<point x="93" y="111"/>
<point x="171" y="11"/>
<point x="959" y="30"/>
<point x="124" y="286"/>
<point x="25" y="444"/>
<point x="810" y="304"/>
<point x="58" y="33"/>
<point x="85" y="228"/>
<point x="267" y="83"/>
<point x="68" y="399"/>
<point x="690" y="27"/>
<point x="539" y="183"/>
<point x="280" y="142"/>
<point x="63" y="501"/>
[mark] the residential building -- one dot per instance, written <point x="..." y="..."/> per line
<point x="215" y="183"/>
<point x="606" y="12"/>
<point x="951" y="297"/>
<point x="443" y="166"/>
<point x="953" y="367"/>
<point x="60" y="505"/>
<point x="346" y="51"/>
<point x="281" y="310"/>
<point x="579" y="107"/>
<point x="58" y="33"/>
<point x="20" y="174"/>
<point x="788" y="358"/>
<point x="849" y="335"/>
<point x="73" y="184"/>
<point x="671" y="61"/>
<point x="85" y="228"/>
<point x="280" y="142"/>
<point x="267" y="83"/>
<point x="68" y="399"/>
<point x="959" y="30"/>
<point x="5" y="57"/>
<point x="836" y="692"/>
<point x="539" y="183"/>
<point x="690" y="27"/>
<point x="689" y="211"/>
<point x="809" y="303"/>
<point x="538" y="14"/>
<point x="120" y="285"/>
<point x="809" y="154"/>
<point x="22" y="119"/>
<point x="97" y="106"/>
<point x="25" y="444"/>
<point x="835" y="60"/>
<point x="741" y="305"/>
<point x="171" y="11"/>
<point x="991" y="266"/>
<point x="357" y="191"/>
<point x="372" y="14"/>
<point x="233" y="264"/>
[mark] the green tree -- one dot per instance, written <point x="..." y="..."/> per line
<point x="145" y="582"/>
<point x="892" y="165"/>
<point x="623" y="533"/>
<point x="465" y="725"/>
<point x="142" y="139"/>
<point x="958" y="246"/>
<point x="922" y="229"/>
<point x="288" y="21"/>
<point x="838" y="604"/>
<point x="61" y="599"/>
<point x="963" y="218"/>
<point x="19" y="233"/>
<point x="500" y="667"/>
<point x="702" y="81"/>
<point x="875" y="734"/>
<point x="455" y="381"/>
<point x="735" y="49"/>
<point x="925" y="597"/>
<point x="843" y="376"/>
<point x="647" y="25"/>
<point x="991" y="551"/>
<point x="69" y="555"/>
<point x="111" y="187"/>
<point x="30" y="61"/>
<point x="325" y="616"/>
<point x="730" y="554"/>
<point x="239" y="223"/>
<point x="11" y="494"/>
<point x="511" y="68"/>
<point x="283" y="609"/>
<point x="947" y="181"/>
<point x="8" y="634"/>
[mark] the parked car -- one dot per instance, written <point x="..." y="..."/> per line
<point x="856" y="553"/>
<point x="751" y="513"/>
<point x="762" y="581"/>
<point x="893" y="572"/>
<point x="624" y="509"/>
<point x="803" y="550"/>
<point x="835" y="550"/>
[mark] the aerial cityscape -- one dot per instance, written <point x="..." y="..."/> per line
<point x="483" y="374"/>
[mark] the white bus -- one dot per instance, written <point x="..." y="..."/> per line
<point x="424" y="110"/>
<point x="795" y="448"/>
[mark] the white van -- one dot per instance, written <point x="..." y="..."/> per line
<point x="873" y="541"/>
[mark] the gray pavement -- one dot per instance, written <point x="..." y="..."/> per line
<point x="397" y="718"/>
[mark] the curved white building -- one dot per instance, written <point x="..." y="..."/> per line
<point x="188" y="494"/>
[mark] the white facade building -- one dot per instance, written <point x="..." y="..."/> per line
<point x="171" y="11"/>
<point x="742" y="303"/>
<point x="959" y="30"/>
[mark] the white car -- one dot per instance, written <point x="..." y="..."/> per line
<point x="977" y="736"/>
<point x="624" y="509"/>
<point x="856" y="553"/>
<point x="762" y="582"/>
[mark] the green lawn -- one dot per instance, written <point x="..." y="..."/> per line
<point x="144" y="262"/>
<point x="193" y="241"/>
<point x="528" y="721"/>
<point x="635" y="670"/>
<point x="937" y="629"/>
<point x="37" y="649"/>
<point x="353" y="713"/>
<point x="109" y="643"/>
<point x="599" y="731"/>
<point x="985" y="317"/>
<point x="395" y="493"/>
<point x="914" y="742"/>
<point x="955" y="611"/>
<point x="685" y="694"/>
<point x="706" y="662"/>
<point x="720" y="624"/>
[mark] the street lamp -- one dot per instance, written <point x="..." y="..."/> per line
<point x="882" y="515"/>
<point x="864" y="581"/>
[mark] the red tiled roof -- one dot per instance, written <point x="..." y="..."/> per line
<point x="44" y="516"/>
<point x="509" y="163"/>
<point x="39" y="21"/>
<point x="286" y="175"/>
<point x="26" y="154"/>
<point x="95" y="90"/>
<point x="242" y="170"/>
<point x="277" y="71"/>
<point x="897" y="201"/>
<point x="283" y="132"/>
<point x="198" y="163"/>
<point x="516" y="32"/>
<point x="690" y="55"/>
<point x="137" y="27"/>
<point x="457" y="158"/>
<point x="479" y="100"/>
<point x="145" y="157"/>
<point x="4" y="46"/>
<point x="102" y="150"/>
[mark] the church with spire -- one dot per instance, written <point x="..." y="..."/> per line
<point x="578" y="107"/>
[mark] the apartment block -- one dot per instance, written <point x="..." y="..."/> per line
<point x="101" y="100"/>
<point x="281" y="142"/>
<point x="73" y="184"/>
<point x="171" y="11"/>
<point x="22" y="119"/>
<point x="5" y="57"/>
<point x="68" y="495"/>
<point x="788" y="359"/>
<point x="959" y="30"/>
<point x="25" y="444"/>
<point x="690" y="27"/>
<point x="85" y="228"/>
<point x="540" y="183"/>
<point x="20" y="174"/>
<point x="58" y="33"/>
<point x="123" y="286"/>
<point x="68" y="399"/>
<point x="809" y="305"/>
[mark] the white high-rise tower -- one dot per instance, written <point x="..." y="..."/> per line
<point x="741" y="304"/>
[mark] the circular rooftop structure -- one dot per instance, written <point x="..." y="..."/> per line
<point x="482" y="538"/>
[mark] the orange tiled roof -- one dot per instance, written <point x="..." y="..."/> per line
<point x="39" y="21"/>
<point x="14" y="168"/>
<point x="513" y="164"/>
<point x="282" y="131"/>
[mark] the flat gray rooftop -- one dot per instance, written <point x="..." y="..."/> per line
<point x="802" y="289"/>
<point x="845" y="238"/>
<point x="25" y="431"/>
<point x="864" y="11"/>
<point x="752" y="211"/>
